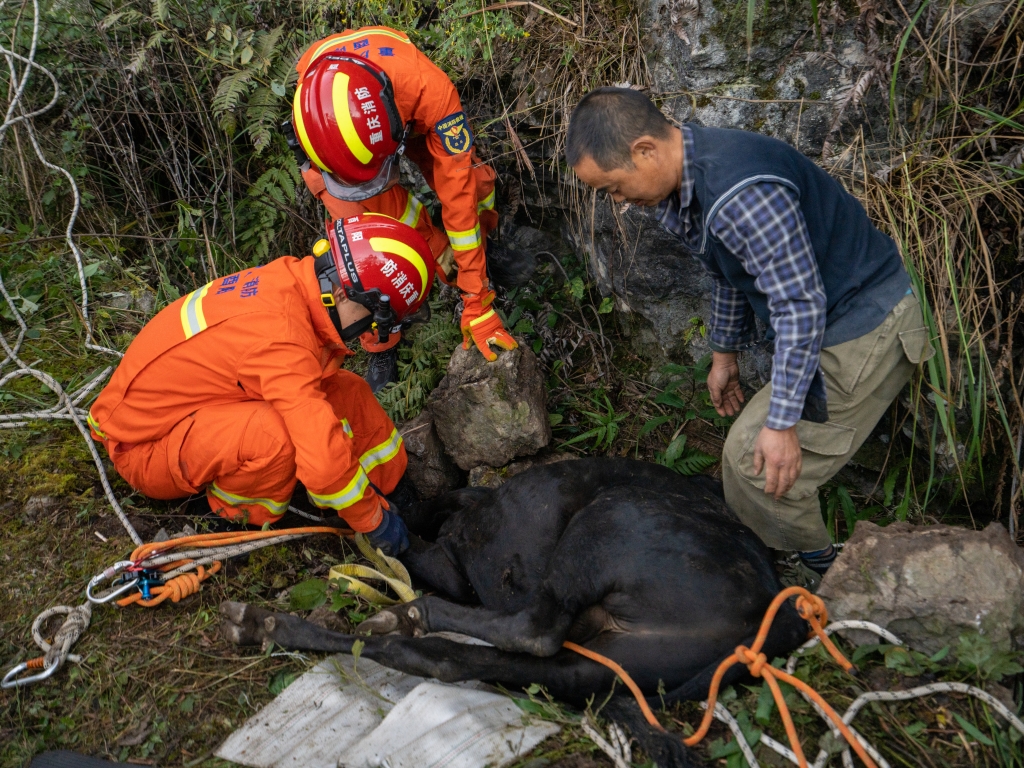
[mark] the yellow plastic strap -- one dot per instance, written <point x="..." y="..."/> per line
<point x="411" y="214"/>
<point x="300" y="129"/>
<point x="383" y="453"/>
<point x="274" y="507"/>
<point x="193" y="320"/>
<point x="487" y="204"/>
<point x="389" y="566"/>
<point x="346" y="497"/>
<point x="339" y="99"/>
<point x="485" y="316"/>
<point x="95" y="426"/>
<point x="466" y="240"/>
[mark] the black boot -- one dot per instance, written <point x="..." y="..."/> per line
<point x="383" y="369"/>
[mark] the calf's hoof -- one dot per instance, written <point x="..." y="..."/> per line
<point x="245" y="624"/>
<point x="396" y="620"/>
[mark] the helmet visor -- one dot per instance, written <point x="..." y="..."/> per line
<point x="386" y="178"/>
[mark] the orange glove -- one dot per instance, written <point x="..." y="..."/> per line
<point x="482" y="325"/>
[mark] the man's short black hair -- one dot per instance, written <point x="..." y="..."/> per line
<point x="605" y="123"/>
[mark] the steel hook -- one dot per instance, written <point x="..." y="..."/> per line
<point x="11" y="679"/>
<point x="110" y="573"/>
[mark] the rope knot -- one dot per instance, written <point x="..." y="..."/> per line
<point x="755" y="661"/>
<point x="812" y="607"/>
<point x="185" y="584"/>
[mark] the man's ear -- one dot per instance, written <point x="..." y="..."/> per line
<point x="645" y="147"/>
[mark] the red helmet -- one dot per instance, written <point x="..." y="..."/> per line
<point x="346" y="121"/>
<point x="382" y="264"/>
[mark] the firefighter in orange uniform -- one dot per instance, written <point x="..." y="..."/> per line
<point x="365" y="97"/>
<point x="236" y="388"/>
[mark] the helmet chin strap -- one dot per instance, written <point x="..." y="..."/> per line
<point x="354" y="330"/>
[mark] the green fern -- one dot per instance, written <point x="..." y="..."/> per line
<point x="265" y="208"/>
<point x="230" y="92"/>
<point x="680" y="457"/>
<point x="263" y="113"/>
<point x="421" y="366"/>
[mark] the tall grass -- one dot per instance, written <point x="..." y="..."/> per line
<point x="950" y="194"/>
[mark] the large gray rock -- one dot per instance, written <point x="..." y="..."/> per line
<point x="930" y="585"/>
<point x="430" y="469"/>
<point x="490" y="413"/>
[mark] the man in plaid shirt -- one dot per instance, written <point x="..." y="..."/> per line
<point x="783" y="241"/>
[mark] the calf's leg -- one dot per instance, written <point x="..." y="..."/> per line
<point x="539" y="630"/>
<point x="566" y="675"/>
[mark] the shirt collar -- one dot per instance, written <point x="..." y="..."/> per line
<point x="686" y="184"/>
<point x="674" y="211"/>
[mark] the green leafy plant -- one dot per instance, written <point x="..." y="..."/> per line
<point x="976" y="653"/>
<point x="606" y="424"/>
<point x="679" y="411"/>
<point x="836" y="501"/>
<point x="307" y="595"/>
<point x="421" y="364"/>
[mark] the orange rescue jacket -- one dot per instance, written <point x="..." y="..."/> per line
<point x="261" y="334"/>
<point x="426" y="97"/>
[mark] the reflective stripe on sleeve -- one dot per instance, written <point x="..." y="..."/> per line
<point x="487" y="204"/>
<point x="95" y="426"/>
<point x="346" y="497"/>
<point x="346" y="427"/>
<point x="383" y="453"/>
<point x="274" y="507"/>
<point x="466" y="240"/>
<point x="193" y="320"/>
<point x="411" y="215"/>
<point x="485" y="316"/>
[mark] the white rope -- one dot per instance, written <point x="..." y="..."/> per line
<point x="67" y="405"/>
<point x="74" y="625"/>
<point x="618" y="751"/>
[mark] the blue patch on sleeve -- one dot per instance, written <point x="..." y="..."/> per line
<point x="454" y="132"/>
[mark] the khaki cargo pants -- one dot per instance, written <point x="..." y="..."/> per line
<point x="862" y="378"/>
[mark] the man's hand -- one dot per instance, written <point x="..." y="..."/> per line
<point x="777" y="451"/>
<point x="724" y="383"/>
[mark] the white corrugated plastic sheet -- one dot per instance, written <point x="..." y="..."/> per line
<point x="363" y="715"/>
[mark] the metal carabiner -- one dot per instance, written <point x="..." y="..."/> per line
<point x="110" y="573"/>
<point x="9" y="680"/>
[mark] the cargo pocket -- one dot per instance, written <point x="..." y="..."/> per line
<point x="825" y="447"/>
<point x="916" y="346"/>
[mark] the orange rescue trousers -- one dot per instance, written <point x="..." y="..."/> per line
<point x="241" y="454"/>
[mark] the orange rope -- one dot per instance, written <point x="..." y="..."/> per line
<point x="186" y="584"/>
<point x="812" y="609"/>
<point x="223" y="539"/>
<point x="179" y="587"/>
<point x="623" y="675"/>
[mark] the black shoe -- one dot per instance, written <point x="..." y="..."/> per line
<point x="383" y="369"/>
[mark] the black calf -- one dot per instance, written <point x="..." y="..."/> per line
<point x="627" y="558"/>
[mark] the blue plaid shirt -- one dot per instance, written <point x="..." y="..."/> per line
<point x="763" y="227"/>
